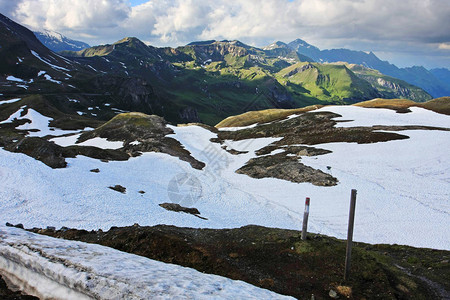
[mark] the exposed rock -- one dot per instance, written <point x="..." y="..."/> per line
<point x="178" y="208"/>
<point x="49" y="153"/>
<point x="118" y="188"/>
<point x="150" y="130"/>
<point x="95" y="170"/>
<point x="287" y="168"/>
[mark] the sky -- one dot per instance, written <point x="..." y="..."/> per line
<point x="407" y="32"/>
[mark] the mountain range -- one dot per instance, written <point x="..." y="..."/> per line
<point x="204" y="81"/>
<point x="433" y="81"/>
<point x="90" y="140"/>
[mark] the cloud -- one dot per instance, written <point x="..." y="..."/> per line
<point x="444" y="46"/>
<point x="327" y="23"/>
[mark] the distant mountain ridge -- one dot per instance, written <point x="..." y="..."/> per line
<point x="204" y="81"/>
<point x="57" y="42"/>
<point x="437" y="86"/>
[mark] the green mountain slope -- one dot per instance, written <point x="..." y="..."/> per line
<point x="211" y="80"/>
<point x="200" y="82"/>
<point x="327" y="82"/>
<point x="387" y="86"/>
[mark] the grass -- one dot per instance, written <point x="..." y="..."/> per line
<point x="439" y="105"/>
<point x="262" y="116"/>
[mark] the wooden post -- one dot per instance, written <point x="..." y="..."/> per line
<point x="305" y="219"/>
<point x="351" y="222"/>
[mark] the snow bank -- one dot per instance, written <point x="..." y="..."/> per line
<point x="63" y="269"/>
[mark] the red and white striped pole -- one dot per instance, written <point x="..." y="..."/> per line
<point x="305" y="219"/>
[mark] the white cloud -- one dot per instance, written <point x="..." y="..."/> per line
<point x="74" y="15"/>
<point x="444" y="46"/>
<point x="326" y="23"/>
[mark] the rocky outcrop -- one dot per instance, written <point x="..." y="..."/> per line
<point x="300" y="70"/>
<point x="286" y="168"/>
<point x="402" y="91"/>
<point x="142" y="133"/>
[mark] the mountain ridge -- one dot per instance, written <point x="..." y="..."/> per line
<point x="57" y="42"/>
<point x="206" y="81"/>
<point x="418" y="76"/>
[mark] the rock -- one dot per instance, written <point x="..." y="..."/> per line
<point x="178" y="208"/>
<point x="141" y="192"/>
<point x="20" y="225"/>
<point x="51" y="228"/>
<point x="118" y="188"/>
<point x="333" y="294"/>
<point x="9" y="224"/>
<point x="95" y="170"/>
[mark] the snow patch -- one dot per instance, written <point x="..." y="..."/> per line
<point x="403" y="186"/>
<point x="38" y="123"/>
<point x="49" y="78"/>
<point x="48" y="63"/>
<point x="15" y="79"/>
<point x="102" y="143"/>
<point x="10" y="101"/>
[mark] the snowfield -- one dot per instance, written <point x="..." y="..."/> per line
<point x="403" y="186"/>
<point x="61" y="269"/>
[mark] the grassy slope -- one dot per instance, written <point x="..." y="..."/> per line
<point x="326" y="82"/>
<point x="439" y="105"/>
<point x="374" y="77"/>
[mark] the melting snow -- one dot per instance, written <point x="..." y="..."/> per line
<point x="49" y="78"/>
<point x="10" y="101"/>
<point x="102" y="143"/>
<point x="48" y="63"/>
<point x="403" y="186"/>
<point x="64" y="269"/>
<point x="65" y="141"/>
<point x="37" y="122"/>
<point x="15" y="79"/>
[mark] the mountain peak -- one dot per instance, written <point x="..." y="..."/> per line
<point x="299" y="43"/>
<point x="201" y="43"/>
<point x="57" y="42"/>
<point x="276" y="45"/>
<point x="129" y="39"/>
